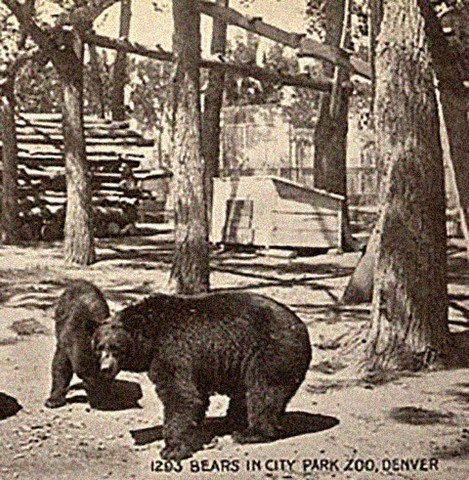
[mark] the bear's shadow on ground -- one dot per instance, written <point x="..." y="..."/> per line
<point x="9" y="406"/>
<point x="293" y="424"/>
<point x="123" y="395"/>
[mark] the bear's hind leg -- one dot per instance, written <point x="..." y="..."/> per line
<point x="266" y="405"/>
<point x="62" y="374"/>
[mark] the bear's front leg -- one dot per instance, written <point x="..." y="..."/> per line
<point x="86" y="366"/>
<point x="180" y="437"/>
<point x="62" y="373"/>
<point x="237" y="414"/>
<point x="184" y="410"/>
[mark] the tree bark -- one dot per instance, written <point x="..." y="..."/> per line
<point x="212" y="108"/>
<point x="79" y="239"/>
<point x="190" y="269"/>
<point x="120" y="65"/>
<point x="330" y="154"/>
<point x="409" y="312"/>
<point x="10" y="219"/>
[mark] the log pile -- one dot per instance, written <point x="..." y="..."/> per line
<point x="115" y="154"/>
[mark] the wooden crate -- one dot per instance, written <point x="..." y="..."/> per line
<point x="270" y="211"/>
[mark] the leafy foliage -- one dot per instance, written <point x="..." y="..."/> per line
<point x="38" y="88"/>
<point x="303" y="107"/>
<point x="9" y="37"/>
<point x="301" y="104"/>
<point x="92" y="96"/>
<point x="316" y="18"/>
<point x="160" y="5"/>
<point x="150" y="93"/>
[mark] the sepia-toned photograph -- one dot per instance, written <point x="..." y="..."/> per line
<point x="234" y="239"/>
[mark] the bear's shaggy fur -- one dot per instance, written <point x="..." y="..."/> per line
<point x="79" y="311"/>
<point x="246" y="346"/>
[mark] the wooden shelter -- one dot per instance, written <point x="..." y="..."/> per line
<point x="269" y="211"/>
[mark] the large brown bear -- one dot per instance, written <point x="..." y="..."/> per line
<point x="246" y="346"/>
<point x="79" y="311"/>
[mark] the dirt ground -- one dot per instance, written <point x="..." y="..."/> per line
<point x="337" y="426"/>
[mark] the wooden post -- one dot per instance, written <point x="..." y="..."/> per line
<point x="210" y="140"/>
<point x="120" y="65"/>
<point x="10" y="233"/>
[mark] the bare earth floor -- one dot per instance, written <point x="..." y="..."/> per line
<point x="337" y="426"/>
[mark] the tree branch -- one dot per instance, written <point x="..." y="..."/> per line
<point x="84" y="15"/>
<point x="16" y="64"/>
<point x="80" y="17"/>
<point x="24" y="14"/>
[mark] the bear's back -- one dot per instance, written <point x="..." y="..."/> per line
<point x="220" y="333"/>
<point x="80" y="304"/>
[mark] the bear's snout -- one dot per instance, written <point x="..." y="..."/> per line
<point x="108" y="364"/>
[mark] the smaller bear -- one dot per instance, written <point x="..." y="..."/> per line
<point x="246" y="346"/>
<point x="79" y="311"/>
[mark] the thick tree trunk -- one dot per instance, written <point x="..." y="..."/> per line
<point x="212" y="108"/>
<point x="454" y="102"/>
<point x="453" y="98"/>
<point x="409" y="313"/>
<point x="330" y="154"/>
<point x="120" y="65"/>
<point x="10" y="221"/>
<point x="190" y="269"/>
<point x="79" y="239"/>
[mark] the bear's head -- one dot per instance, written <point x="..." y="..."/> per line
<point x="113" y="346"/>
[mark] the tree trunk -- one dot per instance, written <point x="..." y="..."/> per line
<point x="79" y="240"/>
<point x="454" y="102"/>
<point x="453" y="98"/>
<point x="97" y="87"/>
<point x="330" y="154"/>
<point x="190" y="269"/>
<point x="10" y="220"/>
<point x="409" y="312"/>
<point x="360" y="286"/>
<point x="376" y="15"/>
<point x="210" y="140"/>
<point x="120" y="65"/>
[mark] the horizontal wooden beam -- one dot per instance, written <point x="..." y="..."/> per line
<point x="306" y="47"/>
<point x="255" y="24"/>
<point x="319" y="82"/>
<point x="312" y="48"/>
<point x="128" y="46"/>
